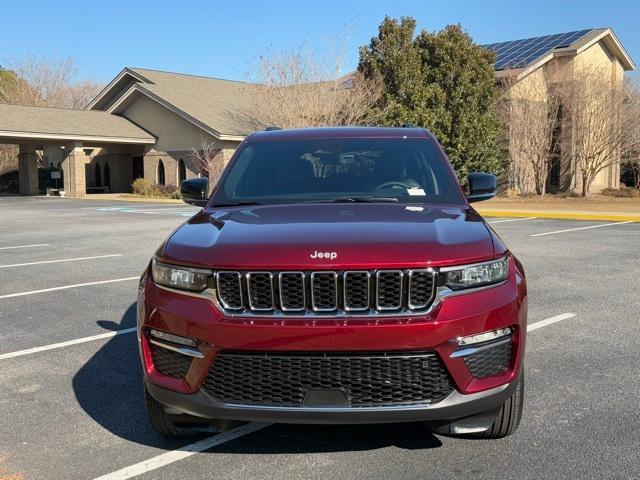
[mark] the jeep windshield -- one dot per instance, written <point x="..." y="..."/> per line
<point x="403" y="170"/>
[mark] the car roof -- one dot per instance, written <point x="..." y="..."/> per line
<point x="338" y="132"/>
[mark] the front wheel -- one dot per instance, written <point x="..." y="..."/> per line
<point x="162" y="422"/>
<point x="509" y="415"/>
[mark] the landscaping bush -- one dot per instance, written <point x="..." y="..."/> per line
<point x="165" y="190"/>
<point x="623" y="192"/>
<point x="147" y="188"/>
<point x="142" y="186"/>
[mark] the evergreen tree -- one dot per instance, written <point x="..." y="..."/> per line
<point x="441" y="81"/>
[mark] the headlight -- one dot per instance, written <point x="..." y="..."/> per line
<point x="476" y="275"/>
<point x="182" y="278"/>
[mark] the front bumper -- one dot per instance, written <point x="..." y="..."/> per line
<point x="502" y="306"/>
<point x="455" y="406"/>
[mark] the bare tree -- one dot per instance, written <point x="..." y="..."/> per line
<point x="531" y="113"/>
<point x="211" y="160"/>
<point x="37" y="80"/>
<point x="602" y="119"/>
<point x="298" y="88"/>
<point x="40" y="81"/>
<point x="632" y="156"/>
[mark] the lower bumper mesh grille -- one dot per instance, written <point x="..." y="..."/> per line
<point x="285" y="379"/>
<point x="490" y="361"/>
<point x="170" y="363"/>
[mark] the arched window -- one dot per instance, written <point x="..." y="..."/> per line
<point x="107" y="176"/>
<point x="182" y="172"/>
<point x="160" y="173"/>
<point x="98" y="176"/>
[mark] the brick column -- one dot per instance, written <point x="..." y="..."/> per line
<point x="28" y="170"/>
<point x="75" y="184"/>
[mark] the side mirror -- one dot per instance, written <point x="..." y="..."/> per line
<point x="194" y="191"/>
<point x="482" y="186"/>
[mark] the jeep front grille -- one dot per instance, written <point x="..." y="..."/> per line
<point x="326" y="292"/>
<point x="361" y="379"/>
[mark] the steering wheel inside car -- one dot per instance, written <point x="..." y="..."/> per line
<point x="392" y="184"/>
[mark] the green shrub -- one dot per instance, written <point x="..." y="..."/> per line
<point x="142" y="186"/>
<point x="622" y="192"/>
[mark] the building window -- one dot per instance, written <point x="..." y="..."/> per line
<point x="160" y="173"/>
<point x="107" y="176"/>
<point x="182" y="172"/>
<point x="98" y="176"/>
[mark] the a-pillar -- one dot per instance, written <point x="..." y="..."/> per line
<point x="28" y="170"/>
<point x="74" y="166"/>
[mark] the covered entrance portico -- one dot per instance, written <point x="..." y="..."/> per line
<point x="85" y="144"/>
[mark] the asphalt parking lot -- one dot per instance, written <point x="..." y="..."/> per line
<point x="71" y="402"/>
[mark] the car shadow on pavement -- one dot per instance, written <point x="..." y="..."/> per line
<point x="109" y="389"/>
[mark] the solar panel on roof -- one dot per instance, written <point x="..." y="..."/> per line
<point x="520" y="53"/>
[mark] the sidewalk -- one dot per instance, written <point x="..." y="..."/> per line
<point x="127" y="197"/>
<point x="592" y="208"/>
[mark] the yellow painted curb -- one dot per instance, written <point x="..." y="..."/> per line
<point x="562" y="215"/>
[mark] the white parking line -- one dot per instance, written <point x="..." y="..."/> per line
<point x="65" y="287"/>
<point x="512" y="220"/>
<point x="61" y="260"/>
<point x="193" y="448"/>
<point x="27" y="246"/>
<point x="184" y="452"/>
<point x="581" y="228"/>
<point x="543" y="323"/>
<point x="68" y="343"/>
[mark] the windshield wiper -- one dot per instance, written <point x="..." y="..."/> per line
<point x="358" y="200"/>
<point x="235" y="204"/>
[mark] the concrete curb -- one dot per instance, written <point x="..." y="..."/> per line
<point x="562" y="215"/>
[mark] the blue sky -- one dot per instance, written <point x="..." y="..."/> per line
<point x="223" y="38"/>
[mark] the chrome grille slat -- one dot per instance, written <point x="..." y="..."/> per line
<point x="291" y="286"/>
<point x="260" y="291"/>
<point x="421" y="288"/>
<point x="229" y="286"/>
<point x="389" y="290"/>
<point x="355" y="290"/>
<point x="326" y="293"/>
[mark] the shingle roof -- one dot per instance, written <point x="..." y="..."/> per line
<point x="45" y="122"/>
<point x="224" y="105"/>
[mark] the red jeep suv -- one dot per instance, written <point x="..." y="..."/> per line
<point x="335" y="275"/>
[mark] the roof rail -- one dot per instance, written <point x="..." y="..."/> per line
<point x="272" y="128"/>
<point x="408" y="125"/>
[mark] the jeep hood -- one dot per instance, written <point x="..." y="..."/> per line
<point x="361" y="235"/>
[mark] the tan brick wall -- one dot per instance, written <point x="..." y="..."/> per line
<point x="74" y="167"/>
<point x="171" y="159"/>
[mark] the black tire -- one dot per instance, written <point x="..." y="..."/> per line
<point x="508" y="417"/>
<point x="161" y="421"/>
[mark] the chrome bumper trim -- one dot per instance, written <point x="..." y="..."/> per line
<point x="190" y="352"/>
<point x="463" y="352"/>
